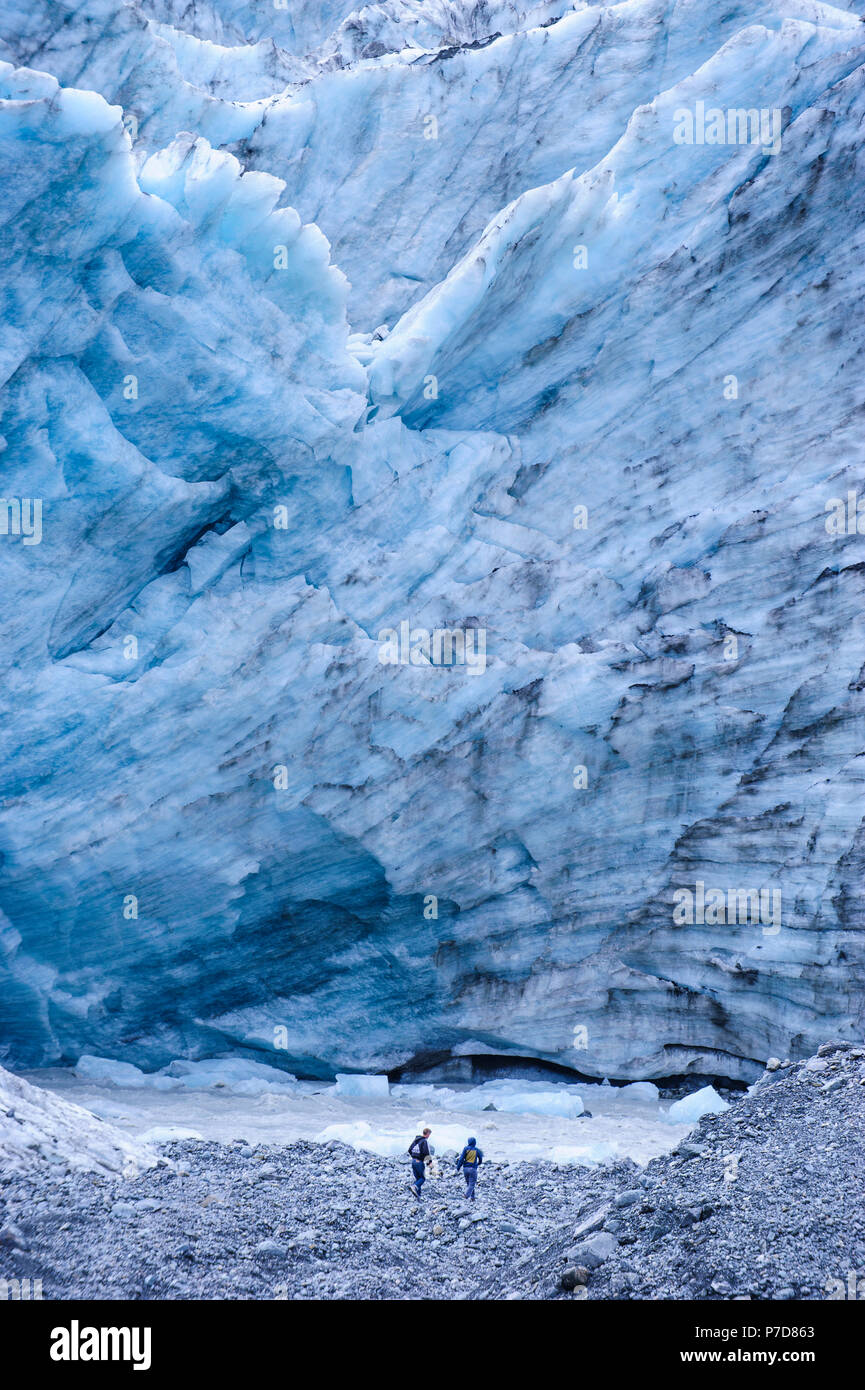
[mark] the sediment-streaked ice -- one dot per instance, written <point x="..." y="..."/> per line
<point x="618" y="390"/>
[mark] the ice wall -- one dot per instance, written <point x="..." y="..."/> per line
<point x="606" y="433"/>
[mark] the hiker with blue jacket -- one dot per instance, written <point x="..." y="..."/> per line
<point x="470" y="1161"/>
<point x="419" y="1151"/>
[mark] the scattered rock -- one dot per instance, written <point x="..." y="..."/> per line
<point x="591" y="1223"/>
<point x="12" y="1238"/>
<point x="771" y="1211"/>
<point x="688" y="1150"/>
<point x="125" y="1210"/>
<point x="595" y="1250"/>
<point x="827" y="1049"/>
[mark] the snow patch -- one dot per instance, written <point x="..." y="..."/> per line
<point x="38" y="1128"/>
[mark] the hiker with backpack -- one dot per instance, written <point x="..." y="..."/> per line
<point x="419" y="1150"/>
<point x="470" y="1161"/>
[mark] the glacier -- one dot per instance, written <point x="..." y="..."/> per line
<point x="322" y="323"/>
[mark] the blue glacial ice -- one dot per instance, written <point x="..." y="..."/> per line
<point x="323" y="324"/>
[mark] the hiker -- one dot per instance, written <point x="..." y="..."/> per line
<point x="419" y="1150"/>
<point x="470" y="1161"/>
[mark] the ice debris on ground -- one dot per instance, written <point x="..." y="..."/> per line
<point x="234" y="1074"/>
<point x="168" y="1134"/>
<point x="599" y="1151"/>
<point x="361" y="1135"/>
<point x="355" y="1085"/>
<point x="636" y="1093"/>
<point x="524" y="1098"/>
<point x="692" y="1108"/>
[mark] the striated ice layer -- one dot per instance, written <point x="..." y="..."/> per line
<point x="413" y="150"/>
<point x="604" y="433"/>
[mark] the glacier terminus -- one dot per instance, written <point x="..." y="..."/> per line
<point x="432" y="599"/>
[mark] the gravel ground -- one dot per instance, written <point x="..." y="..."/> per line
<point x="299" y="1221"/>
<point x="764" y="1201"/>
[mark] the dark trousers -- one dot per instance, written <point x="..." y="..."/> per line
<point x="470" y="1173"/>
<point x="419" y="1169"/>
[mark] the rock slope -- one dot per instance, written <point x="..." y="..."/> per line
<point x="761" y="1202"/>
